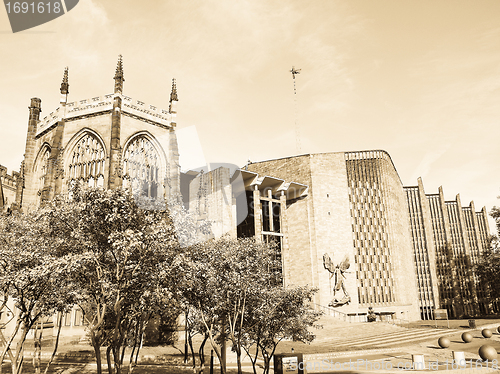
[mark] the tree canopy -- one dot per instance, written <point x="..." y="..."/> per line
<point x="123" y="260"/>
<point x="235" y="288"/>
<point x="488" y="267"/>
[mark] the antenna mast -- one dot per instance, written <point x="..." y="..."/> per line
<point x="297" y="133"/>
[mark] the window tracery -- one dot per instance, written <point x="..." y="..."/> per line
<point x="142" y="168"/>
<point x="42" y="169"/>
<point x="87" y="162"/>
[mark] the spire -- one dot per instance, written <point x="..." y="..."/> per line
<point x="173" y="98"/>
<point x="119" y="76"/>
<point x="65" y="84"/>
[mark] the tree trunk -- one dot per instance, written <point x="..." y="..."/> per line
<point x="59" y="326"/>
<point x="18" y="359"/>
<point x="116" y="350"/>
<point x="238" y="359"/>
<point x="116" y="358"/>
<point x="37" y="356"/>
<point x="267" y="360"/>
<point x="108" y="359"/>
<point x="223" y="349"/>
<point x="131" y="361"/>
<point x="4" y="343"/>
<point x="214" y="346"/>
<point x="2" y="337"/>
<point x="186" y="334"/>
<point x="7" y="345"/>
<point x="190" y="341"/>
<point x="117" y="335"/>
<point x="122" y="356"/>
<point x="201" y="353"/>
<point x="141" y="341"/>
<point x="253" y="360"/>
<point x="136" y="336"/>
<point x="97" y="351"/>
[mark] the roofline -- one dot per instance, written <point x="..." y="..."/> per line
<point x="326" y="153"/>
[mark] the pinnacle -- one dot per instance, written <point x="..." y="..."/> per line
<point x="65" y="84"/>
<point x="173" y="94"/>
<point x="119" y="69"/>
<point x="119" y="76"/>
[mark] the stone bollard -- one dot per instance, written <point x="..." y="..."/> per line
<point x="487" y="352"/>
<point x="459" y="358"/>
<point x="418" y="362"/>
<point x="467" y="337"/>
<point x="486" y="333"/>
<point x="444" y="342"/>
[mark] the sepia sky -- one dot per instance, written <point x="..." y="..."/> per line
<point x="419" y="79"/>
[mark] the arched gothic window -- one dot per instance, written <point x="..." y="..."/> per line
<point x="86" y="162"/>
<point x="141" y="168"/>
<point x="42" y="168"/>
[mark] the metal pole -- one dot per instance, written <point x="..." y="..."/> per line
<point x="212" y="362"/>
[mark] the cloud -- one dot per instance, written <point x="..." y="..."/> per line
<point x="80" y="37"/>
<point x="429" y="158"/>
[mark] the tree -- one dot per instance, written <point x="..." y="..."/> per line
<point x="449" y="280"/>
<point x="155" y="304"/>
<point x="488" y="266"/>
<point x="487" y="269"/>
<point x="219" y="276"/>
<point x="282" y="313"/>
<point x="193" y="326"/>
<point x="495" y="213"/>
<point x="33" y="277"/>
<point x="233" y="284"/>
<point x="116" y="251"/>
<point x="107" y="250"/>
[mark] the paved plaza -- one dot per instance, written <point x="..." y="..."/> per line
<point x="339" y="347"/>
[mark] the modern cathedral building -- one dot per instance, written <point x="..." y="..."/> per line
<point x="408" y="252"/>
<point x="342" y="222"/>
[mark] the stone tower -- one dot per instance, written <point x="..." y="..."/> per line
<point x="110" y="141"/>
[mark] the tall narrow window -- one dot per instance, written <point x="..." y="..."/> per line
<point x="42" y="169"/>
<point x="87" y="162"/>
<point x="246" y="229"/>
<point x="266" y="224"/>
<point x="142" y="167"/>
<point x="276" y="216"/>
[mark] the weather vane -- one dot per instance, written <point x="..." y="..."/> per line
<point x="295" y="71"/>
<point x="297" y="133"/>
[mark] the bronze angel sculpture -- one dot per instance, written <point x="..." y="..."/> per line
<point x="337" y="272"/>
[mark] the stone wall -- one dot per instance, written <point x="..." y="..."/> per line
<point x="320" y="223"/>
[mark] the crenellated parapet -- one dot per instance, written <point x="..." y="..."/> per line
<point x="147" y="112"/>
<point x="104" y="104"/>
<point x="48" y="122"/>
<point x="8" y="188"/>
<point x="9" y="181"/>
